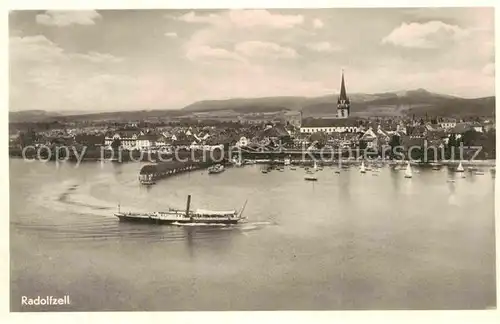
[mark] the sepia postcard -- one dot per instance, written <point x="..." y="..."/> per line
<point x="306" y="159"/>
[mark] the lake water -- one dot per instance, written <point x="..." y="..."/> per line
<point x="349" y="241"/>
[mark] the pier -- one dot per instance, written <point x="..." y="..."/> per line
<point x="196" y="161"/>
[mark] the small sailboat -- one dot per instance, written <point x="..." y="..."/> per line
<point x="362" y="168"/>
<point x="460" y="167"/>
<point x="310" y="176"/>
<point x="408" y="173"/>
<point x="436" y="166"/>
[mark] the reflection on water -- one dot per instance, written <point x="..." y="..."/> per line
<point x="347" y="241"/>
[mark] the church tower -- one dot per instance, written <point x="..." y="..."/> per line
<point x="343" y="103"/>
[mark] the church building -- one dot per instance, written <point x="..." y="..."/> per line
<point x="342" y="123"/>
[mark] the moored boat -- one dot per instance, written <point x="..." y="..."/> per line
<point x="408" y="172"/>
<point x="147" y="179"/>
<point x="218" y="168"/>
<point x="237" y="162"/>
<point x="362" y="169"/>
<point x="460" y="168"/>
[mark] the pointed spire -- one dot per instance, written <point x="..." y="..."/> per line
<point x="343" y="94"/>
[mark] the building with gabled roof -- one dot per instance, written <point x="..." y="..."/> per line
<point x="343" y="123"/>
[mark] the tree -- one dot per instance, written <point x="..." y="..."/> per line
<point x="362" y="145"/>
<point x="453" y="142"/>
<point x="470" y="137"/>
<point x="320" y="138"/>
<point x="116" y="143"/>
<point x="394" y="142"/>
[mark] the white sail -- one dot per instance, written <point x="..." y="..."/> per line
<point x="408" y="173"/>
<point x="362" y="168"/>
<point x="460" y="168"/>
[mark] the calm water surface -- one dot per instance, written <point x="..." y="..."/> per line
<point x="348" y="241"/>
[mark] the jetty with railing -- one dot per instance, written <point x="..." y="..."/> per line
<point x="150" y="173"/>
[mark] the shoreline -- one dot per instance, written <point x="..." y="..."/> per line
<point x="484" y="163"/>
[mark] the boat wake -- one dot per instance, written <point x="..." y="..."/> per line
<point x="201" y="224"/>
<point x="72" y="198"/>
<point x="73" y="211"/>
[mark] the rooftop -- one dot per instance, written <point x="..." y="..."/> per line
<point x="329" y="122"/>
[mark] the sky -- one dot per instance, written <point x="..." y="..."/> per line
<point x="118" y="60"/>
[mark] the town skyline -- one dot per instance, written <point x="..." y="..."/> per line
<point x="172" y="58"/>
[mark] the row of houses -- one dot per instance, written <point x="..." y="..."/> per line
<point x="331" y="126"/>
<point x="345" y="133"/>
<point x="377" y="135"/>
<point x="191" y="138"/>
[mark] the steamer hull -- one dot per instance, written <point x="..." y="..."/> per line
<point x="186" y="216"/>
<point x="159" y="221"/>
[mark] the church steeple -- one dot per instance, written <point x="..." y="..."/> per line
<point x="343" y="103"/>
<point x="343" y="94"/>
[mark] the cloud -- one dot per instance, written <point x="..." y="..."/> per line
<point x="54" y="78"/>
<point x="171" y="34"/>
<point x="192" y="17"/>
<point x="34" y="48"/>
<point x="323" y="47"/>
<point x="208" y="52"/>
<point x="264" y="49"/>
<point x="67" y="18"/>
<point x="96" y="57"/>
<point x="224" y="29"/>
<point x="254" y="18"/>
<point x="245" y="19"/>
<point x="318" y="23"/>
<point x="39" y="49"/>
<point x="431" y="34"/>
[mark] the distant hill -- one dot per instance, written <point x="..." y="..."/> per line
<point x="389" y="103"/>
<point x="291" y="103"/>
<point x="418" y="102"/>
<point x="31" y="115"/>
<point x="458" y="107"/>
